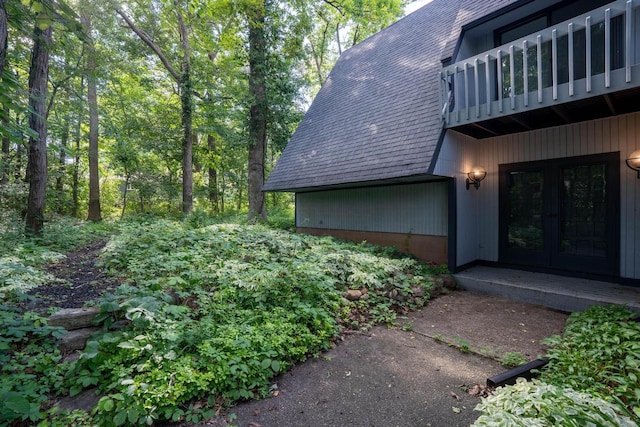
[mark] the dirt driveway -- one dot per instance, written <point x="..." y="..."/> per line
<point x="403" y="376"/>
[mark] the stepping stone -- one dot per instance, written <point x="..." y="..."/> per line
<point x="74" y="318"/>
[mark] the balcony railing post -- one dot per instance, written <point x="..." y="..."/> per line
<point x="607" y="47"/>
<point x="488" y="82"/>
<point x="554" y="62"/>
<point x="627" y="40"/>
<point x="512" y="77"/>
<point x="456" y="98"/>
<point x="570" y="53"/>
<point x="477" y="88"/>
<point x="499" y="71"/>
<point x="587" y="37"/>
<point x="525" y="75"/>
<point x="466" y="90"/>
<point x="539" y="66"/>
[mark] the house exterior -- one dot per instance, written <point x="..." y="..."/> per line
<point x="482" y="131"/>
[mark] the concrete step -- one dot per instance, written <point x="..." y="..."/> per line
<point x="558" y="292"/>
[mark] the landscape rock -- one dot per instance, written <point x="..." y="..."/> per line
<point x="86" y="400"/>
<point x="74" y="318"/>
<point x="75" y="340"/>
<point x="417" y="291"/>
<point x="353" y="294"/>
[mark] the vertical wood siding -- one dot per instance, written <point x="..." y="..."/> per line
<point x="410" y="208"/>
<point x="477" y="216"/>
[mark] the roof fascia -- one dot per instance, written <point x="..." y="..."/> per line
<point x="484" y="19"/>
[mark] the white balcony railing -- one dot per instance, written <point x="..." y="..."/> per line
<point x="592" y="54"/>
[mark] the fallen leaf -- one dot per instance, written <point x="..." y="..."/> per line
<point x="252" y="424"/>
<point x="276" y="392"/>
<point x="455" y="396"/>
<point x="455" y="409"/>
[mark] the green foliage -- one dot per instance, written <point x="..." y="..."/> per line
<point x="22" y="259"/>
<point x="29" y="365"/>
<point x="591" y="378"/>
<point x="512" y="359"/>
<point x="218" y="310"/>
<point x="530" y="404"/>
<point x="598" y="353"/>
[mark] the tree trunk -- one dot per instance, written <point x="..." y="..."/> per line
<point x="186" y="101"/>
<point x="213" y="174"/>
<point x="6" y="145"/>
<point x="4" y="161"/>
<point x="258" y="112"/>
<point x="3" y="35"/>
<point x="124" y="195"/>
<point x="37" y="163"/>
<point x="62" y="166"/>
<point x="95" y="212"/>
<point x="76" y="163"/>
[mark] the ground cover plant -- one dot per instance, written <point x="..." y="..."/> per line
<point x="592" y="377"/>
<point x="208" y="314"/>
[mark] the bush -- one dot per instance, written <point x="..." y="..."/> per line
<point x="598" y="353"/>
<point x="531" y="404"/>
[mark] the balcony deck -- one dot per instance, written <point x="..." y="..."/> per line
<point x="584" y="68"/>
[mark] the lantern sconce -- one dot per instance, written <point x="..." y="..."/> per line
<point x="477" y="174"/>
<point x="634" y="161"/>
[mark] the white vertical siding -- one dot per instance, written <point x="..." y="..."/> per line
<point x="409" y="208"/>
<point x="478" y="210"/>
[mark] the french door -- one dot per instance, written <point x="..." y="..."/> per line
<point x="562" y="214"/>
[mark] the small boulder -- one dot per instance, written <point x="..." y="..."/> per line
<point x="75" y="340"/>
<point x="353" y="294"/>
<point x="74" y="318"/>
<point x="417" y="291"/>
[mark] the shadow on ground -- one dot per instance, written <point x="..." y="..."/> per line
<point x="402" y="376"/>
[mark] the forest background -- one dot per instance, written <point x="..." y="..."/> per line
<point x="110" y="108"/>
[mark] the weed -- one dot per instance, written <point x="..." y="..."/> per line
<point x="512" y="359"/>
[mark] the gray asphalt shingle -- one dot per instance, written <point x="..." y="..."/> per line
<point x="377" y="115"/>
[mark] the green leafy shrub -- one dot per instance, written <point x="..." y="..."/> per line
<point x="535" y="403"/>
<point x="598" y="353"/>
<point x="29" y="365"/>
<point x="218" y="310"/>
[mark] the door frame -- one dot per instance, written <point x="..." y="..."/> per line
<point x="550" y="258"/>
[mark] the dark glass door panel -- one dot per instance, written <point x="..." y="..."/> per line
<point x="561" y="214"/>
<point x="525" y="220"/>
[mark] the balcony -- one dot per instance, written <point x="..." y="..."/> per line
<point x="584" y="68"/>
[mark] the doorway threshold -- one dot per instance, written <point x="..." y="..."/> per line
<point x="558" y="292"/>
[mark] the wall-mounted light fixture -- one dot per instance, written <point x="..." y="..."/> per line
<point x="634" y="161"/>
<point x="476" y="175"/>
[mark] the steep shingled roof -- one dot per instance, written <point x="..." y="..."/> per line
<point x="377" y="115"/>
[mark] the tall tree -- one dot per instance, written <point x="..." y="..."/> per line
<point x="3" y="34"/>
<point x="186" y="94"/>
<point x="95" y="212"/>
<point x="258" y="109"/>
<point x="37" y="163"/>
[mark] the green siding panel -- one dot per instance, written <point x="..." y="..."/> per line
<point x="410" y="208"/>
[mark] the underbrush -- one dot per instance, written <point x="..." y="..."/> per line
<point x="22" y="259"/>
<point x="592" y="378"/>
<point x="209" y="315"/>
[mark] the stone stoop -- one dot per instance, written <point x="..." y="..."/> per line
<point x="79" y="323"/>
<point x="557" y="292"/>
